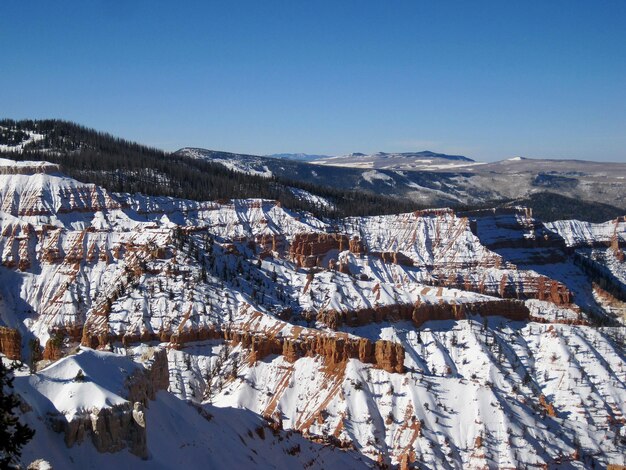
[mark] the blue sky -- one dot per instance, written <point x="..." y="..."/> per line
<point x="486" y="79"/>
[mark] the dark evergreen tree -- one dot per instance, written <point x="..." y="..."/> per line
<point x="13" y="434"/>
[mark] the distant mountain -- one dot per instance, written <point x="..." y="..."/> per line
<point x="435" y="180"/>
<point x="389" y="157"/>
<point x="301" y="157"/>
<point x="411" y="161"/>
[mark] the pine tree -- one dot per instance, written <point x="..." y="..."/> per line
<point x="13" y="434"/>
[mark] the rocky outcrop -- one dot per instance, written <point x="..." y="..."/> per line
<point x="58" y="341"/>
<point x="309" y="249"/>
<point x="29" y="168"/>
<point x="547" y="406"/>
<point x="110" y="429"/>
<point x="552" y="291"/>
<point x="144" y="384"/>
<point x="433" y="212"/>
<point x="10" y="343"/>
<point x="389" y="356"/>
<point x="62" y="198"/>
<point x="334" y="349"/>
<point x="524" y="286"/>
<point x="357" y="246"/>
<point x="271" y="243"/>
<point x="422" y="312"/>
<point x="393" y="257"/>
<point x="511" y="309"/>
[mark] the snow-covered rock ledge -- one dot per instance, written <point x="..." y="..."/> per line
<point x="12" y="167"/>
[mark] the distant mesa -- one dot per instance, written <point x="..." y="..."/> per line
<point x="425" y="154"/>
<point x="302" y="157"/>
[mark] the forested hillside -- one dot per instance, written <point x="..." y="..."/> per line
<point x="123" y="166"/>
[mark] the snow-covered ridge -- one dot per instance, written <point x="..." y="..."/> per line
<point x="246" y="164"/>
<point x="12" y="167"/>
<point x="412" y="161"/>
<point x="578" y="233"/>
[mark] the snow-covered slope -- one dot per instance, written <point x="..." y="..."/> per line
<point x="179" y="434"/>
<point x="434" y="338"/>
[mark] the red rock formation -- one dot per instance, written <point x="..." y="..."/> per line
<point x="356" y="246"/>
<point x="548" y="408"/>
<point x="552" y="291"/>
<point x="433" y="212"/>
<point x="531" y="287"/>
<point x="144" y="384"/>
<point x="54" y="349"/>
<point x="335" y="349"/>
<point x="308" y="249"/>
<point x="271" y="243"/>
<point x="422" y="312"/>
<point x="389" y="356"/>
<point x="24" y="259"/>
<point x="393" y="257"/>
<point x="10" y="343"/>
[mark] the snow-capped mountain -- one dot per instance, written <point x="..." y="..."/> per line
<point x="242" y="332"/>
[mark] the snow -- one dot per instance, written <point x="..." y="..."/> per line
<point x="32" y="137"/>
<point x="56" y="390"/>
<point x="240" y="163"/>
<point x="132" y="265"/>
<point x="312" y="198"/>
<point x="242" y="168"/>
<point x="370" y="176"/>
<point x="579" y="233"/>
<point x="179" y="436"/>
<point x="456" y="386"/>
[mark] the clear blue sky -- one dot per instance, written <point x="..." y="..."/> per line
<point x="486" y="79"/>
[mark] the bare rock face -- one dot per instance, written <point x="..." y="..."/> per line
<point x="528" y="287"/>
<point x="10" y="343"/>
<point x="393" y="257"/>
<point x="357" y="246"/>
<point x="423" y="312"/>
<point x="271" y="243"/>
<point x="111" y="429"/>
<point x="334" y="349"/>
<point x="29" y="168"/>
<point x="511" y="309"/>
<point x="53" y="350"/>
<point x="308" y="249"/>
<point x="22" y="200"/>
<point x="553" y="291"/>
<point x="144" y="384"/>
<point x="55" y="347"/>
<point x="389" y="356"/>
